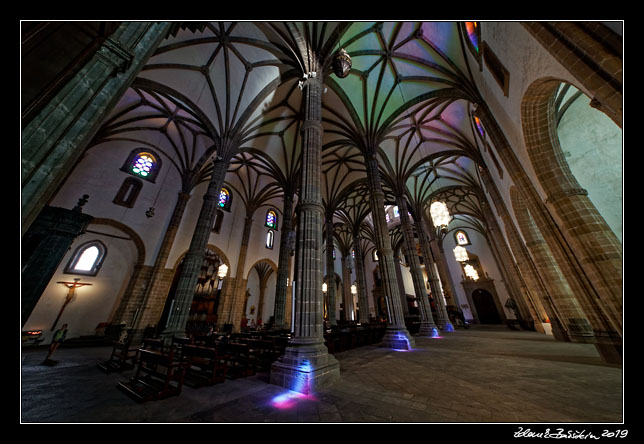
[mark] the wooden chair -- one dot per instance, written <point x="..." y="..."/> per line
<point x="123" y="357"/>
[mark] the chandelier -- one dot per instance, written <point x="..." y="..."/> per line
<point x="440" y="215"/>
<point x="460" y="254"/>
<point x="223" y="270"/>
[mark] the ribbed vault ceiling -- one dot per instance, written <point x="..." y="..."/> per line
<point x="407" y="99"/>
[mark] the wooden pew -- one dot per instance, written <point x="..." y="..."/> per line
<point x="158" y="376"/>
<point x="240" y="360"/>
<point x="204" y="365"/>
<point x="263" y="352"/>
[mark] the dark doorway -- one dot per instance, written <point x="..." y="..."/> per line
<point x="485" y="307"/>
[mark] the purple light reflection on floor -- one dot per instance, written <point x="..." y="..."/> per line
<point x="290" y="399"/>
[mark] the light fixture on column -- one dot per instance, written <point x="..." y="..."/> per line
<point x="324" y="288"/>
<point x="354" y="289"/>
<point x="460" y="254"/>
<point x="440" y="215"/>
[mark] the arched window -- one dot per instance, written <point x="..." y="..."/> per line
<point x="142" y="163"/>
<point x="225" y="199"/>
<point x="396" y="213"/>
<point x="479" y="127"/>
<point x="87" y="259"/>
<point x="129" y="191"/>
<point x="270" y="237"/>
<point x="219" y="218"/>
<point x="473" y="30"/>
<point x="271" y="219"/>
<point x="472" y="33"/>
<point x="461" y="238"/>
<point x="374" y="255"/>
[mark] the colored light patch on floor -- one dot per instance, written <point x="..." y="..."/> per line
<point x="290" y="399"/>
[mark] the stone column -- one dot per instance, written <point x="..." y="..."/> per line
<point x="574" y="317"/>
<point x="306" y="363"/>
<point x="178" y="316"/>
<point x="404" y="304"/>
<point x="361" y="282"/>
<point x="396" y="335"/>
<point x="347" y="297"/>
<point x="137" y="313"/>
<point x="283" y="269"/>
<point x="441" y="311"/>
<point x="54" y="140"/>
<point x="528" y="276"/>
<point x="232" y="308"/>
<point x="436" y="248"/>
<point x="330" y="271"/>
<point x="427" y="326"/>
<point x="49" y="239"/>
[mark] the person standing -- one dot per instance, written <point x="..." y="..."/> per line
<point x="58" y="339"/>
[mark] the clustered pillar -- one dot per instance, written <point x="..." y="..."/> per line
<point x="306" y="363"/>
<point x="281" y="292"/>
<point x="427" y="326"/>
<point x="178" y="316"/>
<point x="396" y="335"/>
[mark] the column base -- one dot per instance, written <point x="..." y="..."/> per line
<point x="609" y="346"/>
<point x="428" y="330"/>
<point x="445" y="326"/>
<point x="398" y="338"/>
<point x="305" y="366"/>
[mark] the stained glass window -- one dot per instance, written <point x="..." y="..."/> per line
<point x="143" y="164"/>
<point x="224" y="199"/>
<point x="479" y="126"/>
<point x="473" y="34"/>
<point x="461" y="238"/>
<point x="396" y="213"/>
<point x="271" y="219"/>
<point x="387" y="218"/>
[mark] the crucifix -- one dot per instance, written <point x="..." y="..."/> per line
<point x="72" y="286"/>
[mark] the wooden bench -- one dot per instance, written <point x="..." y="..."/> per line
<point x="158" y="376"/>
<point x="123" y="357"/>
<point x="204" y="365"/>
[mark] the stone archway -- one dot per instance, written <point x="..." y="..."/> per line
<point x="265" y="269"/>
<point x="594" y="245"/>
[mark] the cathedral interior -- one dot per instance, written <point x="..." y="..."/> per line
<point x="331" y="214"/>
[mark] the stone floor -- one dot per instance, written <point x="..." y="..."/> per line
<point x="485" y="374"/>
